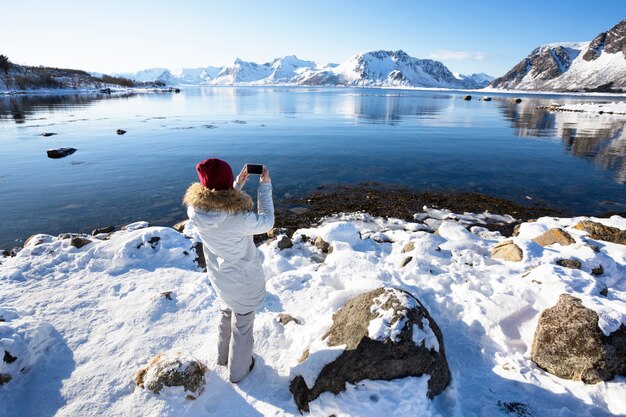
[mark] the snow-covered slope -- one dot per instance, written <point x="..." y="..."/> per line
<point x="479" y="79"/>
<point x="81" y="322"/>
<point x="572" y="66"/>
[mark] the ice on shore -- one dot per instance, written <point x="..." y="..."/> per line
<point x="82" y="321"/>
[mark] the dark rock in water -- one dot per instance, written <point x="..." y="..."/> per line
<point x="177" y="90"/>
<point x="120" y="131"/>
<point x="569" y="344"/>
<point x="516" y="100"/>
<point x="105" y="91"/>
<point x="5" y="378"/>
<point x="413" y="348"/>
<point x="60" y="152"/>
<point x="598" y="231"/>
<point x="486" y="98"/>
<point x="48" y="134"/>
<point x="569" y="263"/>
<point x="200" y="259"/>
<point x="467" y="98"/>
<point x="108" y="229"/>
<point x="8" y="358"/>
<point x="78" y="242"/>
<point x="285" y="243"/>
<point x="598" y="270"/>
<point x="6" y="253"/>
<point x="285" y="319"/>
<point x="172" y="370"/>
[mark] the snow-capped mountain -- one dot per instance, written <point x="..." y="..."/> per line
<point x="368" y="69"/>
<point x="386" y="69"/>
<point x="572" y="66"/>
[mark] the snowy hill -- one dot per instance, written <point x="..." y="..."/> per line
<point x="375" y="69"/>
<point x="77" y="323"/>
<point x="600" y="63"/>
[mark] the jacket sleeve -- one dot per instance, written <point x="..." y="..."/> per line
<point x="263" y="221"/>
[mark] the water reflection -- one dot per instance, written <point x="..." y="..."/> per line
<point x="21" y="108"/>
<point x="600" y="139"/>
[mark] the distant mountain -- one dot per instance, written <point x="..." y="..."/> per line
<point x="369" y="69"/>
<point x="599" y="64"/>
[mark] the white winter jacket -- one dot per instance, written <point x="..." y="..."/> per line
<point x="226" y="224"/>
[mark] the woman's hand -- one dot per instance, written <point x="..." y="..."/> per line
<point x="265" y="176"/>
<point x="242" y="177"/>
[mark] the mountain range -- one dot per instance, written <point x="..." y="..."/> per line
<point x="598" y="65"/>
<point x="368" y="69"/>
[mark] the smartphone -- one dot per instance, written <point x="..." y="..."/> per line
<point x="254" y="169"/>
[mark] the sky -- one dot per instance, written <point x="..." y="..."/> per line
<point x="116" y="36"/>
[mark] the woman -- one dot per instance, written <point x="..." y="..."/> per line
<point x="226" y="223"/>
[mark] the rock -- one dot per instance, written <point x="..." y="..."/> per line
<point x="516" y="230"/>
<point x="35" y="240"/>
<point x="467" y="98"/>
<point x="172" y="369"/>
<point x="60" y="152"/>
<point x="516" y="100"/>
<point x="78" y="242"/>
<point x="108" y="229"/>
<point x="407" y="342"/>
<point x="599" y="270"/>
<point x="120" y="131"/>
<point x="136" y="226"/>
<point x="47" y="134"/>
<point x="598" y="231"/>
<point x="6" y="253"/>
<point x="507" y="251"/>
<point x="285" y="243"/>
<point x="553" y="236"/>
<point x="4" y="378"/>
<point x="177" y="90"/>
<point x="14" y="251"/>
<point x="569" y="344"/>
<point x="406" y="261"/>
<point x="277" y="231"/>
<point x="8" y="358"/>
<point x="167" y="295"/>
<point x="285" y="319"/>
<point x="409" y="247"/>
<point x="200" y="259"/>
<point x="485" y="98"/>
<point x="180" y="226"/>
<point x="569" y="263"/>
<point x="322" y="245"/>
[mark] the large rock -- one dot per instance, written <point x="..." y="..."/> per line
<point x="552" y="236"/>
<point x="172" y="369"/>
<point x="388" y="334"/>
<point x="60" y="152"/>
<point x="598" y="231"/>
<point x="507" y="251"/>
<point x="569" y="344"/>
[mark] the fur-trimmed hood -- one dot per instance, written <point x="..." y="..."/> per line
<point x="228" y="201"/>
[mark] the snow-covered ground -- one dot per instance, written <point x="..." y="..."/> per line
<point x="614" y="107"/>
<point x="82" y="321"/>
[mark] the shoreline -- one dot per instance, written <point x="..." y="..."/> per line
<point x="486" y="90"/>
<point x="378" y="200"/>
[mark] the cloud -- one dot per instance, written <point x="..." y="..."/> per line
<point x="445" y="54"/>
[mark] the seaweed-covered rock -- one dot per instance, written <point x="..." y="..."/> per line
<point x="569" y="344"/>
<point x="60" y="152"/>
<point x="598" y="231"/>
<point x="388" y="334"/>
<point x="172" y="369"/>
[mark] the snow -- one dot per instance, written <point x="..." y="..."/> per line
<point x="605" y="107"/>
<point x="82" y="322"/>
<point x="388" y="324"/>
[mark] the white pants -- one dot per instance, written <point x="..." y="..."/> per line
<point x="235" y="340"/>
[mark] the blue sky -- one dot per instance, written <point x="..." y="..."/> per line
<point x="117" y="36"/>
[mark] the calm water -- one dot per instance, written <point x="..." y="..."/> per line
<point x="307" y="136"/>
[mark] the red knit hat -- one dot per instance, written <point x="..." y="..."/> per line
<point x="215" y="174"/>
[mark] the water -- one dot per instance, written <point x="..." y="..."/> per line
<point x="426" y="140"/>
